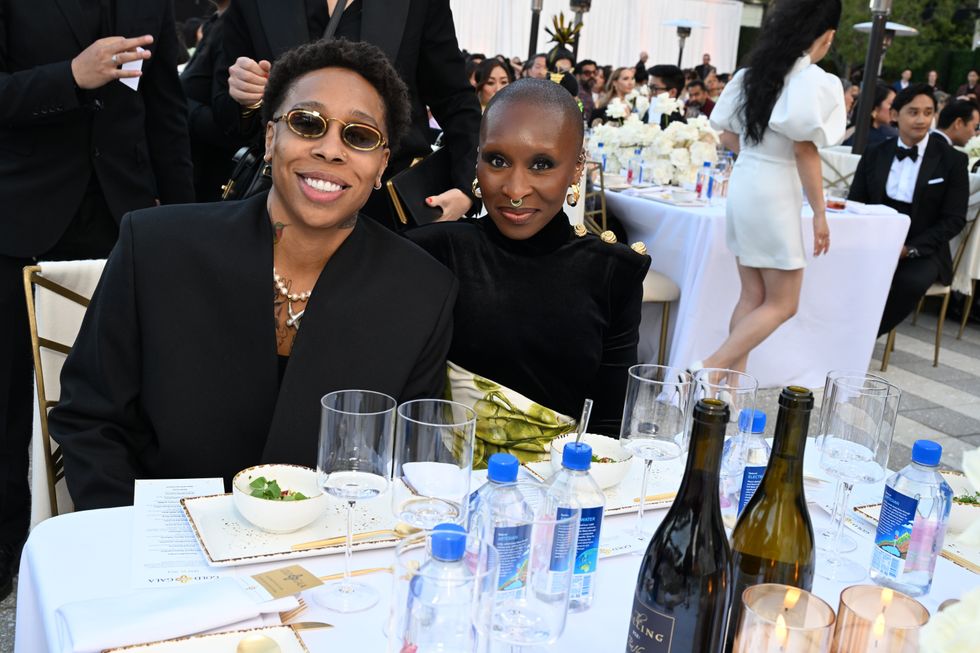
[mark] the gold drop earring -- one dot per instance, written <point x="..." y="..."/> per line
<point x="572" y="197"/>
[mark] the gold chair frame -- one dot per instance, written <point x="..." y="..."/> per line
<point x="593" y="172"/>
<point x="53" y="459"/>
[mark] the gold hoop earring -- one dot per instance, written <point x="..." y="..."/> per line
<point x="477" y="193"/>
<point x="572" y="198"/>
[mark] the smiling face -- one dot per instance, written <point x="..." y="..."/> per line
<point x="915" y="119"/>
<point x="624" y="82"/>
<point x="526" y="154"/>
<point x="323" y="182"/>
<point x="496" y="80"/>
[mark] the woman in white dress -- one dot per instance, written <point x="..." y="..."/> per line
<point x="776" y="113"/>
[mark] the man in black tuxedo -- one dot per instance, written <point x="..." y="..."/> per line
<point x="78" y="149"/>
<point x="418" y="36"/>
<point x="665" y="78"/>
<point x="923" y="177"/>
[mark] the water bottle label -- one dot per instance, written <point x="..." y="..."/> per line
<point x="513" y="544"/>
<point x="894" y="533"/>
<point x="650" y="631"/>
<point x="751" y="478"/>
<point x="587" y="550"/>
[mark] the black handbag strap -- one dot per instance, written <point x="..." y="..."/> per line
<point x="338" y="11"/>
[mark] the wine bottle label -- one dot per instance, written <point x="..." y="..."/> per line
<point x="513" y="544"/>
<point x="751" y="479"/>
<point x="894" y="534"/>
<point x="650" y="631"/>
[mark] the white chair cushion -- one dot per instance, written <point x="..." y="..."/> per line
<point x="659" y="288"/>
<point x="937" y="290"/>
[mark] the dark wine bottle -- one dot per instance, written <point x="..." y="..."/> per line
<point x="682" y="592"/>
<point x="773" y="538"/>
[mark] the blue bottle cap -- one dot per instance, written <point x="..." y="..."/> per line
<point x="752" y="421"/>
<point x="927" y="452"/>
<point x="502" y="468"/>
<point x="448" y="546"/>
<point x="576" y="456"/>
<point x="450" y="527"/>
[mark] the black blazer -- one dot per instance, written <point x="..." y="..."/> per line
<point x="419" y="38"/>
<point x="938" y="209"/>
<point x="174" y="373"/>
<point x="54" y="136"/>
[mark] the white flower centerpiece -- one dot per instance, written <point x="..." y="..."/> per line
<point x="972" y="149"/>
<point x="672" y="156"/>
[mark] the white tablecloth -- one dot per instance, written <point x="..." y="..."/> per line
<point x="88" y="555"/>
<point x="840" y="309"/>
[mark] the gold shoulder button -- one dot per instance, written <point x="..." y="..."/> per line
<point x="639" y="248"/>
<point x="608" y="237"/>
<point x="580" y="230"/>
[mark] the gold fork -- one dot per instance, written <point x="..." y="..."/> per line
<point x="288" y="615"/>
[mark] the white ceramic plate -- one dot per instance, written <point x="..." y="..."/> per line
<point x="665" y="478"/>
<point x="228" y="540"/>
<point x="284" y="636"/>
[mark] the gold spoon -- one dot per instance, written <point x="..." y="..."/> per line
<point x="258" y="644"/>
<point x="401" y="530"/>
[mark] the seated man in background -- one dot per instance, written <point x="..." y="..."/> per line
<point x="924" y="178"/>
<point x="698" y="102"/>
<point x="958" y="122"/>
<point x="668" y="79"/>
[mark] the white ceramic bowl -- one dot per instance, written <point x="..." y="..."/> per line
<point x="962" y="514"/>
<point x="605" y="474"/>
<point x="279" y="516"/>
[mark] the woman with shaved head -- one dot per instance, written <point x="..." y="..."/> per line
<point x="544" y="310"/>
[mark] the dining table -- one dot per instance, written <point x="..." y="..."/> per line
<point x="841" y="300"/>
<point x="86" y="555"/>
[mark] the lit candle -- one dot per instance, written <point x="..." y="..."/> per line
<point x="781" y="619"/>
<point x="781" y="634"/>
<point x="873" y="619"/>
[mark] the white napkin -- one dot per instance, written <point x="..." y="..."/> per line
<point x="154" y="614"/>
<point x="869" y="209"/>
<point x="441" y="480"/>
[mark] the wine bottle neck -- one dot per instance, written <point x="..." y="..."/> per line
<point x="789" y="442"/>
<point x="704" y="459"/>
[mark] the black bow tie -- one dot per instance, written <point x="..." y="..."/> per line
<point x="910" y="152"/>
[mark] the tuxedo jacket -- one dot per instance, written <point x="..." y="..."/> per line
<point x="939" y="203"/>
<point x="54" y="136"/>
<point x="419" y="38"/>
<point x="175" y="373"/>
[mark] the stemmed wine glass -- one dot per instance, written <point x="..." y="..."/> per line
<point x="654" y="421"/>
<point x="825" y="536"/>
<point x="433" y="460"/>
<point x="860" y="420"/>
<point x="354" y="464"/>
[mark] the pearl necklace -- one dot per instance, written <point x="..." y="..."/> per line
<point x="294" y="318"/>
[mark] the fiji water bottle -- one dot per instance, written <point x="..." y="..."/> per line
<point x="440" y="597"/>
<point x="912" y="523"/>
<point x="634" y="173"/>
<point x="501" y="514"/>
<point x="704" y="179"/>
<point x="571" y="488"/>
<point x="743" y="464"/>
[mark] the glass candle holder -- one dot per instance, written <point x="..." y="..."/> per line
<point x="783" y="619"/>
<point x="874" y="619"/>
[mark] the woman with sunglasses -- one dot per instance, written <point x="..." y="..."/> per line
<point x="547" y="315"/>
<point x="217" y="328"/>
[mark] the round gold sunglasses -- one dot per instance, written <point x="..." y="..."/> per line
<point x="311" y="124"/>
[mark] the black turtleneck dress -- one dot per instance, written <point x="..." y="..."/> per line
<point x="555" y="317"/>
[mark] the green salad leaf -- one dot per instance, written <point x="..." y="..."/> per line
<point x="269" y="489"/>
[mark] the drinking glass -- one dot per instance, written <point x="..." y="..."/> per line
<point x="433" y="460"/>
<point x="655" y="421"/>
<point x="740" y="391"/>
<point x="825" y="536"/>
<point x="432" y="609"/>
<point x="354" y="464"/>
<point x="860" y="422"/>
<point x="783" y="618"/>
<point x="537" y="560"/>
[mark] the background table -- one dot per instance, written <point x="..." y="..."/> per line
<point x="88" y="555"/>
<point x="840" y="309"/>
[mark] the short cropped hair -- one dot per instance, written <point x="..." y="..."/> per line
<point x="582" y="64"/>
<point x="697" y="83"/>
<point x="541" y="93"/>
<point x="359" y="57"/>
<point x="672" y="76"/>
<point x="911" y="92"/>
<point x="962" y="109"/>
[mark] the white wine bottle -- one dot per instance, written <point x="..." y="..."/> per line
<point x="773" y="538"/>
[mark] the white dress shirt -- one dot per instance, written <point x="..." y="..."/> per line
<point x="943" y="134"/>
<point x="903" y="174"/>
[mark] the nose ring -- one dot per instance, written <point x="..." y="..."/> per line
<point x="517" y="203"/>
